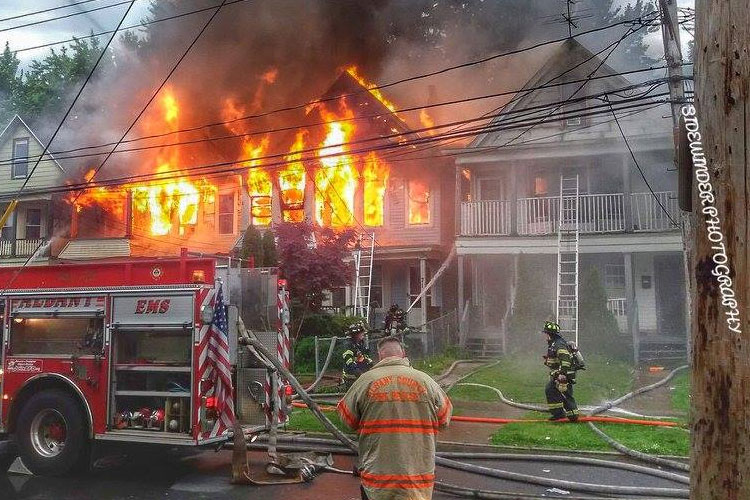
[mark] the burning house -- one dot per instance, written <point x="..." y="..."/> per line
<point x="346" y="164"/>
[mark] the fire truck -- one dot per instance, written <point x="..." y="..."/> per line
<point x="105" y="351"/>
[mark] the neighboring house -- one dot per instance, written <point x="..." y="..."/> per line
<point x="510" y="198"/>
<point x="31" y="223"/>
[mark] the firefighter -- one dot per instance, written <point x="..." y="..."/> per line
<point x="562" y="376"/>
<point x="394" y="319"/>
<point x="356" y="355"/>
<point x="397" y="411"/>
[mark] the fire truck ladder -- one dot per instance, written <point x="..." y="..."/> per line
<point x="567" y="257"/>
<point x="364" y="252"/>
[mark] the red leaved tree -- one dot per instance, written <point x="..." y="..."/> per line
<point x="311" y="258"/>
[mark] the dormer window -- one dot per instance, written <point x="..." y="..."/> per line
<point x="20" y="167"/>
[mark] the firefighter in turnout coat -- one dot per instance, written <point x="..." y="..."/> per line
<point x="562" y="376"/>
<point x="356" y="355"/>
<point x="397" y="411"/>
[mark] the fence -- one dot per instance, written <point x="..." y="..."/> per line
<point x="439" y="334"/>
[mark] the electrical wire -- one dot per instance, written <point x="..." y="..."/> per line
<point x="66" y="16"/>
<point x="34" y="13"/>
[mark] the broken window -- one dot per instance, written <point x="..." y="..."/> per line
<point x="418" y="194"/>
<point x="375" y="173"/>
<point x="259" y="190"/>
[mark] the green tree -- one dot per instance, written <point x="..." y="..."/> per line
<point x="9" y="82"/>
<point x="532" y="306"/>
<point x="268" y="244"/>
<point x="252" y="247"/>
<point x="598" y="330"/>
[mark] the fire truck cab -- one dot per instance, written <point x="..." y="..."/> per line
<point x="111" y="350"/>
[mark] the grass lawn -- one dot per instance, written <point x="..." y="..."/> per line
<point x="681" y="392"/>
<point x="437" y="364"/>
<point x="647" y="439"/>
<point x="522" y="379"/>
<point x="303" y="420"/>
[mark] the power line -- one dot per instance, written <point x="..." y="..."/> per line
<point x="59" y="155"/>
<point x="33" y="13"/>
<point x="203" y="169"/>
<point x="66" y="16"/>
<point x="638" y="166"/>
<point x="13" y="204"/>
<point x="139" y="25"/>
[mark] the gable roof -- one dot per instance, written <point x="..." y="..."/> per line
<point x="18" y="119"/>
<point x="568" y="57"/>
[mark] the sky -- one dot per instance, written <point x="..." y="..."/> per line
<point x="107" y="18"/>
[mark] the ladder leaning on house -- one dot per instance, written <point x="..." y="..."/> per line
<point x="363" y="257"/>
<point x="567" y="256"/>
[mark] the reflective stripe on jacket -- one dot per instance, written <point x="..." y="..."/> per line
<point x="397" y="412"/>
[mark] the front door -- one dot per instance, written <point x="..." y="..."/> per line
<point x="669" y="280"/>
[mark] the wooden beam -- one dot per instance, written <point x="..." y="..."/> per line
<point x="720" y="459"/>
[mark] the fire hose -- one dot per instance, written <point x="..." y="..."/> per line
<point x="526" y="478"/>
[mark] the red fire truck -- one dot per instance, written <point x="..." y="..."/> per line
<point x="105" y="351"/>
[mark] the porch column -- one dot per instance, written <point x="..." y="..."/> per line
<point x="513" y="172"/>
<point x="14" y="244"/>
<point x="631" y="305"/>
<point x="460" y="309"/>
<point x="627" y="201"/>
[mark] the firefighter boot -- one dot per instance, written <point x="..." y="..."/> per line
<point x="555" y="400"/>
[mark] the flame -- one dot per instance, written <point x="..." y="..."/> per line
<point x="352" y="70"/>
<point x="419" y="202"/>
<point x="376" y="173"/>
<point x="292" y="182"/>
<point x="258" y="182"/>
<point x="427" y="122"/>
<point x="336" y="179"/>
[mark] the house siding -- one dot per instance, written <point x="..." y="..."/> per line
<point x="47" y="174"/>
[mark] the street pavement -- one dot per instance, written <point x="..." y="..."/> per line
<point x="154" y="474"/>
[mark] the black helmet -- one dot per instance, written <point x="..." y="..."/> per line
<point x="356" y="328"/>
<point x="551" y="327"/>
<point x="394" y="307"/>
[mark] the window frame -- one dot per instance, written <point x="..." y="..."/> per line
<point x="16" y="162"/>
<point x="220" y="214"/>
<point x="27" y="225"/>
<point x="430" y="207"/>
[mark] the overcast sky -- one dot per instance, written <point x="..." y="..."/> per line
<point x="107" y="19"/>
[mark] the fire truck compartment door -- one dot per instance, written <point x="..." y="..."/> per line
<point x="159" y="310"/>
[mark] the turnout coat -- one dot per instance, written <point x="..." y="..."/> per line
<point x="397" y="412"/>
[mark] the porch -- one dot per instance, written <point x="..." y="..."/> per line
<point x="598" y="214"/>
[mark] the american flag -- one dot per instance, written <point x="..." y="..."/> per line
<point x="216" y="366"/>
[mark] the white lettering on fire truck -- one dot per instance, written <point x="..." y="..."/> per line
<point x="24" y="365"/>
<point x="158" y="306"/>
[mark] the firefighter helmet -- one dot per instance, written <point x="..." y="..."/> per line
<point x="551" y="327"/>
<point x="356" y="328"/>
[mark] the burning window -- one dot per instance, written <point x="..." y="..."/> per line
<point x="418" y="193"/>
<point x="33" y="223"/>
<point x="375" y="173"/>
<point x="336" y="179"/>
<point x="226" y="213"/>
<point x="259" y="190"/>
<point x="540" y="186"/>
<point x="292" y="183"/>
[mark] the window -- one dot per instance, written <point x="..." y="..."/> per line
<point x="33" y="223"/>
<point x="7" y="231"/>
<point x="540" y="185"/>
<point x="418" y="194"/>
<point x="490" y="189"/>
<point x="20" y="158"/>
<point x="614" y="276"/>
<point x="54" y="335"/>
<point x="226" y="213"/>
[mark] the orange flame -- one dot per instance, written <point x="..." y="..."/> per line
<point x="292" y="182"/>
<point x="336" y="179"/>
<point x="376" y="173"/>
<point x="352" y="70"/>
<point x="419" y="202"/>
<point x="427" y="122"/>
<point x="258" y="183"/>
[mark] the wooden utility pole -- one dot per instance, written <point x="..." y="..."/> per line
<point x="720" y="462"/>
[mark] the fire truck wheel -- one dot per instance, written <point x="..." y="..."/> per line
<point x="51" y="434"/>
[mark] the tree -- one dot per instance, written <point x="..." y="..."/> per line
<point x="532" y="306"/>
<point x="252" y="247"/>
<point x="312" y="260"/>
<point x="720" y="417"/>
<point x="598" y="331"/>
<point x="9" y="64"/>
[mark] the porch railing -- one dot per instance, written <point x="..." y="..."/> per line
<point x="599" y="213"/>
<point x="485" y="218"/>
<point x="24" y="247"/>
<point x="648" y="214"/>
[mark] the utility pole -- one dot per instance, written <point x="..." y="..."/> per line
<point x="720" y="463"/>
